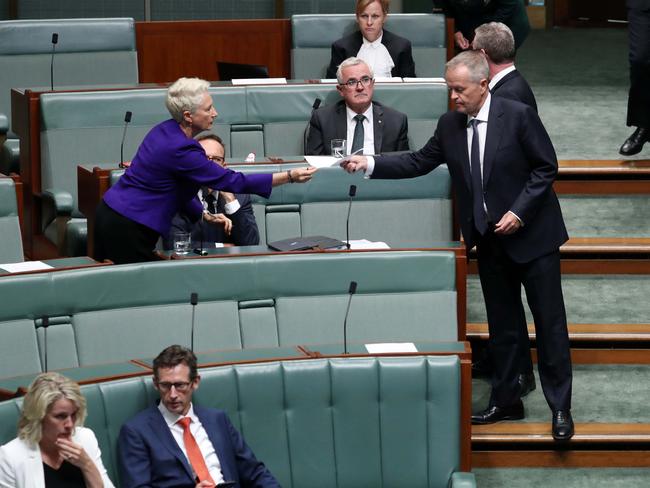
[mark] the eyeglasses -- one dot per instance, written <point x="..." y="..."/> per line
<point x="181" y="386"/>
<point x="353" y="83"/>
<point x="218" y="159"/>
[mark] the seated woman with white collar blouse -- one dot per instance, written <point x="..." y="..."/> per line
<point x="388" y="54"/>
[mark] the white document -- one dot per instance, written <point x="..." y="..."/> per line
<point x="25" y="266"/>
<point x="329" y="80"/>
<point x="259" y="81"/>
<point x="366" y="244"/>
<point x="389" y="347"/>
<point x="322" y="161"/>
<point x="424" y="80"/>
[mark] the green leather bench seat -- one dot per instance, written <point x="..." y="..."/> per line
<point x="312" y="37"/>
<point x="390" y="422"/>
<point x="118" y="313"/>
<point x="11" y="244"/>
<point x="88" y="52"/>
<point x="86" y="127"/>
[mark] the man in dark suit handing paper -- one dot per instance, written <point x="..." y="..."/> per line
<point x="503" y="165"/>
<point x="368" y="127"/>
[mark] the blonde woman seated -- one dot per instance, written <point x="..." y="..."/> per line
<point x="53" y="449"/>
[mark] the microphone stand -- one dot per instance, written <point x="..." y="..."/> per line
<point x="351" y="291"/>
<point x="194" y="299"/>
<point x="127" y="119"/>
<point x="55" y="40"/>
<point x="351" y="194"/>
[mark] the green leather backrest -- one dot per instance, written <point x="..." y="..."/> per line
<point x="11" y="244"/>
<point x="80" y="9"/>
<point x="285" y="110"/>
<point x="88" y="52"/>
<point x="390" y="422"/>
<point x="117" y="313"/>
<point x="312" y="37"/>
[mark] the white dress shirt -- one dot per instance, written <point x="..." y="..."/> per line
<point x="200" y="435"/>
<point x="377" y="57"/>
<point x="500" y="75"/>
<point x="368" y="132"/>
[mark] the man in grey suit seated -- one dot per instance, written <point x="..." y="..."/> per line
<point x="368" y="127"/>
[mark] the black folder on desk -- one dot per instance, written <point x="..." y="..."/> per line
<point x="307" y="242"/>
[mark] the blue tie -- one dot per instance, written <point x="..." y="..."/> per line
<point x="480" y="219"/>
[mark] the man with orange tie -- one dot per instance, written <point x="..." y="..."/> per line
<point x="178" y="444"/>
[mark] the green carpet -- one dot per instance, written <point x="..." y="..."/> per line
<point x="606" y="299"/>
<point x="608" y="216"/>
<point x="562" y="478"/>
<point x="601" y="393"/>
<point x="580" y="79"/>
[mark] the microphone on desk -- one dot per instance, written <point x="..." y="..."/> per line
<point x="351" y="291"/>
<point x="45" y="323"/>
<point x="351" y="194"/>
<point x="127" y="119"/>
<point x="55" y="40"/>
<point x="314" y="106"/>
<point x="194" y="299"/>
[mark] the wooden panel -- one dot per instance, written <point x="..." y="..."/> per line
<point x="602" y="187"/>
<point x="580" y="332"/>
<point x="169" y="50"/>
<point x="561" y="459"/>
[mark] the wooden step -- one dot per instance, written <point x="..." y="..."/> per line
<point x="606" y="245"/>
<point x="538" y="433"/>
<point x="599" y="167"/>
<point x="580" y="332"/>
<point x="561" y="458"/>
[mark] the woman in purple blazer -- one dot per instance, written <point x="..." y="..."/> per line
<point x="165" y="176"/>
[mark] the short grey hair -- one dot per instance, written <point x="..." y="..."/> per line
<point x="475" y="63"/>
<point x="496" y="39"/>
<point x="352" y="61"/>
<point x="185" y="94"/>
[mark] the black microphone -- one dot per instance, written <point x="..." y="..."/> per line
<point x="351" y="194"/>
<point x="351" y="291"/>
<point x="194" y="299"/>
<point x="45" y="323"/>
<point x="314" y="106"/>
<point x="55" y="40"/>
<point x="127" y="119"/>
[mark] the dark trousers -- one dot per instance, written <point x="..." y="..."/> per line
<point x="638" y="103"/>
<point x="501" y="281"/>
<point x="122" y="240"/>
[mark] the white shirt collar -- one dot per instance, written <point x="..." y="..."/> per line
<point x="484" y="111"/>
<point x="351" y="114"/>
<point x="500" y="75"/>
<point x="376" y="43"/>
<point x="171" y="418"/>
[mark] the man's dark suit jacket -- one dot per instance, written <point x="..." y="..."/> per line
<point x="149" y="455"/>
<point x="469" y="14"/>
<point x="398" y="48"/>
<point x="244" y="227"/>
<point x="519" y="166"/>
<point x="515" y="87"/>
<point x="390" y="129"/>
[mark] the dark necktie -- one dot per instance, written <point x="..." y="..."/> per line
<point x="480" y="219"/>
<point x="357" y="141"/>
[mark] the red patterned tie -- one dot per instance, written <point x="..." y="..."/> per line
<point x="193" y="452"/>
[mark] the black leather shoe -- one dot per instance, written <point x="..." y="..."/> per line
<point x="526" y="383"/>
<point x="635" y="142"/>
<point x="563" y="428"/>
<point x="496" y="414"/>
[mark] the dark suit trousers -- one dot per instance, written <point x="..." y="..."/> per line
<point x="501" y="281"/>
<point x="638" y="104"/>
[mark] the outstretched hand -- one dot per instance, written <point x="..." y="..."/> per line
<point x="219" y="219"/>
<point x="301" y="175"/>
<point x="352" y="164"/>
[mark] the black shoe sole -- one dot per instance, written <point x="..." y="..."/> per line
<point x="506" y="417"/>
